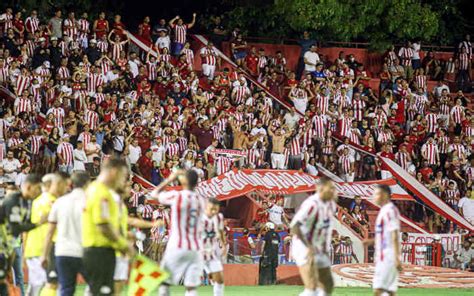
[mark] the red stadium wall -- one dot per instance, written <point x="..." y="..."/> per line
<point x="242" y="209"/>
<point x="247" y="275"/>
<point x="371" y="61"/>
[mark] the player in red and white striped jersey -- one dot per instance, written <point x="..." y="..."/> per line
<point x="312" y="229"/>
<point x="214" y="245"/>
<point x="183" y="257"/>
<point x="387" y="244"/>
<point x="430" y="152"/>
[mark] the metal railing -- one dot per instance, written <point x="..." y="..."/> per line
<point x="424" y="254"/>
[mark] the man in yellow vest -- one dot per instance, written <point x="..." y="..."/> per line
<point x="101" y="227"/>
<point x="54" y="186"/>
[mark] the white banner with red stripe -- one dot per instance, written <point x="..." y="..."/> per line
<point x="236" y="183"/>
<point x="428" y="197"/>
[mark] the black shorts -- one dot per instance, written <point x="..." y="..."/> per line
<point x="51" y="273"/>
<point x="99" y="266"/>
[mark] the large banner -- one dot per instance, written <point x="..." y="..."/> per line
<point x="451" y="244"/>
<point x="433" y="201"/>
<point x="240" y="182"/>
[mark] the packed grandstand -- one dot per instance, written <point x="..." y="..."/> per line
<point x="77" y="91"/>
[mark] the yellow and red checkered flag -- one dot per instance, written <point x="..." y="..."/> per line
<point x="145" y="277"/>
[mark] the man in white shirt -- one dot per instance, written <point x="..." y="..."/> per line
<point x="259" y="130"/>
<point x="158" y="151"/>
<point x="134" y="152"/>
<point x="11" y="166"/>
<point x="163" y="41"/>
<point x="438" y="89"/>
<point x="415" y="59"/>
<point x="291" y="118"/>
<point x="276" y="214"/>
<point x="66" y="217"/>
<point x="92" y="150"/>
<point x="80" y="157"/>
<point x="465" y="256"/>
<point x="466" y="208"/>
<point x="311" y="58"/>
<point x="134" y="63"/>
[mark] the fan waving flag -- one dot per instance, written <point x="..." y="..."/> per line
<point x="145" y="277"/>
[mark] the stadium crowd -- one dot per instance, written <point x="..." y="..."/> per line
<point x="83" y="92"/>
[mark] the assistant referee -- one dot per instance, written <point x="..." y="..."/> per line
<point x="101" y="235"/>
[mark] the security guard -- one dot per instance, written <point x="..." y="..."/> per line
<point x="269" y="258"/>
<point x="15" y="213"/>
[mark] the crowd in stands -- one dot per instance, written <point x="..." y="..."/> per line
<point x="83" y="92"/>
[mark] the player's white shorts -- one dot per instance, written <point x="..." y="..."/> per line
<point x="183" y="264"/>
<point x="121" y="269"/>
<point x="36" y="273"/>
<point x="386" y="276"/>
<point x="213" y="266"/>
<point x="299" y="253"/>
<point x="208" y="70"/>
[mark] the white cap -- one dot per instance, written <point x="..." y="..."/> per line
<point x="436" y="237"/>
<point x="65" y="135"/>
<point x="270" y="225"/>
<point x="93" y="41"/>
<point x="46" y="64"/>
<point x="42" y="39"/>
<point x="54" y="38"/>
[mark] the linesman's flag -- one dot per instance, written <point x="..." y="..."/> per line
<point x="145" y="277"/>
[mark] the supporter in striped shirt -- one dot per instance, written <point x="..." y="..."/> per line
<point x="180" y="30"/>
<point x="65" y="155"/>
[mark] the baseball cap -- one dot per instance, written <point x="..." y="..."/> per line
<point x="93" y="41"/>
<point x="54" y="38"/>
<point x="47" y="64"/>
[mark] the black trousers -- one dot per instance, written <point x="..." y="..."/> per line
<point x="99" y="266"/>
<point x="267" y="270"/>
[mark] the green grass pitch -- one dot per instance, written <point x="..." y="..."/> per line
<point x="295" y="290"/>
